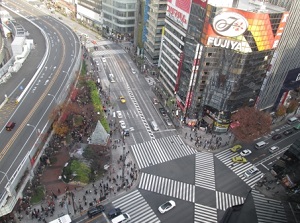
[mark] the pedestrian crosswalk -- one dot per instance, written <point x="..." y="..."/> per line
<point x="239" y="168"/>
<point x="268" y="210"/>
<point x="108" y="52"/>
<point x="168" y="187"/>
<point x="205" y="214"/>
<point x="160" y="150"/>
<point x="205" y="170"/>
<point x="224" y="200"/>
<point x="136" y="207"/>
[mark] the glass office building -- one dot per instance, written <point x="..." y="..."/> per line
<point x="119" y="16"/>
<point x="216" y="62"/>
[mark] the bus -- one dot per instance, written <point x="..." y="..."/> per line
<point x="63" y="219"/>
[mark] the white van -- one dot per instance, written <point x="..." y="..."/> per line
<point x="121" y="218"/>
<point x="154" y="126"/>
<point x="260" y="144"/>
<point x="292" y="120"/>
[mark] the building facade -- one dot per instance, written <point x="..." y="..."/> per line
<point x="90" y="12"/>
<point x="281" y="77"/>
<point x="119" y="17"/>
<point x="155" y="22"/>
<point x="215" y="58"/>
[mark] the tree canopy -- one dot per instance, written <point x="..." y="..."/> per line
<point x="251" y="124"/>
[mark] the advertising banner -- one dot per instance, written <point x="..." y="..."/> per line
<point x="179" y="11"/>
<point x="242" y="31"/>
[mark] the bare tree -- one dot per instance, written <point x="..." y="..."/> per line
<point x="251" y="124"/>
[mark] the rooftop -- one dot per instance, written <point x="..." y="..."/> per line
<point x="250" y="5"/>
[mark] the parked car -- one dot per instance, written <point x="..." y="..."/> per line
<point x="288" y="132"/>
<point x="276" y="136"/>
<point x="168" y="122"/>
<point x="95" y="210"/>
<point x="245" y="152"/>
<point x="155" y="101"/>
<point x="236" y="148"/>
<point x="114" y="213"/>
<point x="239" y="159"/>
<point x="162" y="111"/>
<point x="103" y="59"/>
<point x="133" y="71"/>
<point x="166" y="206"/>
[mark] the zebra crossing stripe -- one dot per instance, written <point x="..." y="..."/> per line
<point x="268" y="210"/>
<point x="224" y="200"/>
<point x="137" y="207"/>
<point x="160" y="150"/>
<point x="205" y="173"/>
<point x="166" y="186"/>
<point x="205" y="214"/>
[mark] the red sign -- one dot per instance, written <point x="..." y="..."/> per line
<point x="202" y="3"/>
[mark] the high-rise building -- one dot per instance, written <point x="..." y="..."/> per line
<point x="284" y="73"/>
<point x="156" y="14"/>
<point x="119" y="17"/>
<point x="215" y="55"/>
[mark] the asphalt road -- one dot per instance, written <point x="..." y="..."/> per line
<point x="32" y="113"/>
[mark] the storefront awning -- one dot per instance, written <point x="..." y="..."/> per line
<point x="208" y="120"/>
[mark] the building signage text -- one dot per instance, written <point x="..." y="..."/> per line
<point x="224" y="43"/>
<point x="177" y="16"/>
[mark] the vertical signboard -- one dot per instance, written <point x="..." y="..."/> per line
<point x="179" y="11"/>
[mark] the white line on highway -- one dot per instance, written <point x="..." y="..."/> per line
<point x="265" y="167"/>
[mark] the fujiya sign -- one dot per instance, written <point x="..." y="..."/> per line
<point x="230" y="24"/>
<point x="177" y="15"/>
<point x="224" y="43"/>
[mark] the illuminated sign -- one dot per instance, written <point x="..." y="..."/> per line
<point x="179" y="11"/>
<point x="230" y="24"/>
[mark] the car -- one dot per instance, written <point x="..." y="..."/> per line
<point x="133" y="71"/>
<point x="252" y="171"/>
<point x="239" y="159"/>
<point x="122" y="124"/>
<point x="98" y="209"/>
<point x="276" y="136"/>
<point x="245" y="152"/>
<point x="155" y="101"/>
<point x="126" y="132"/>
<point x="168" y="122"/>
<point x="235" y="148"/>
<point x="273" y="149"/>
<point x="9" y="126"/>
<point x="119" y="114"/>
<point x="166" y="206"/>
<point x="288" y="132"/>
<point x="114" y="213"/>
<point x="122" y="99"/>
<point x="103" y="59"/>
<point x="162" y="111"/>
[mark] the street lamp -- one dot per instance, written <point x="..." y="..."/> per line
<point x="53" y="97"/>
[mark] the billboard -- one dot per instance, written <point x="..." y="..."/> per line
<point x="179" y="11"/>
<point x="243" y="31"/>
